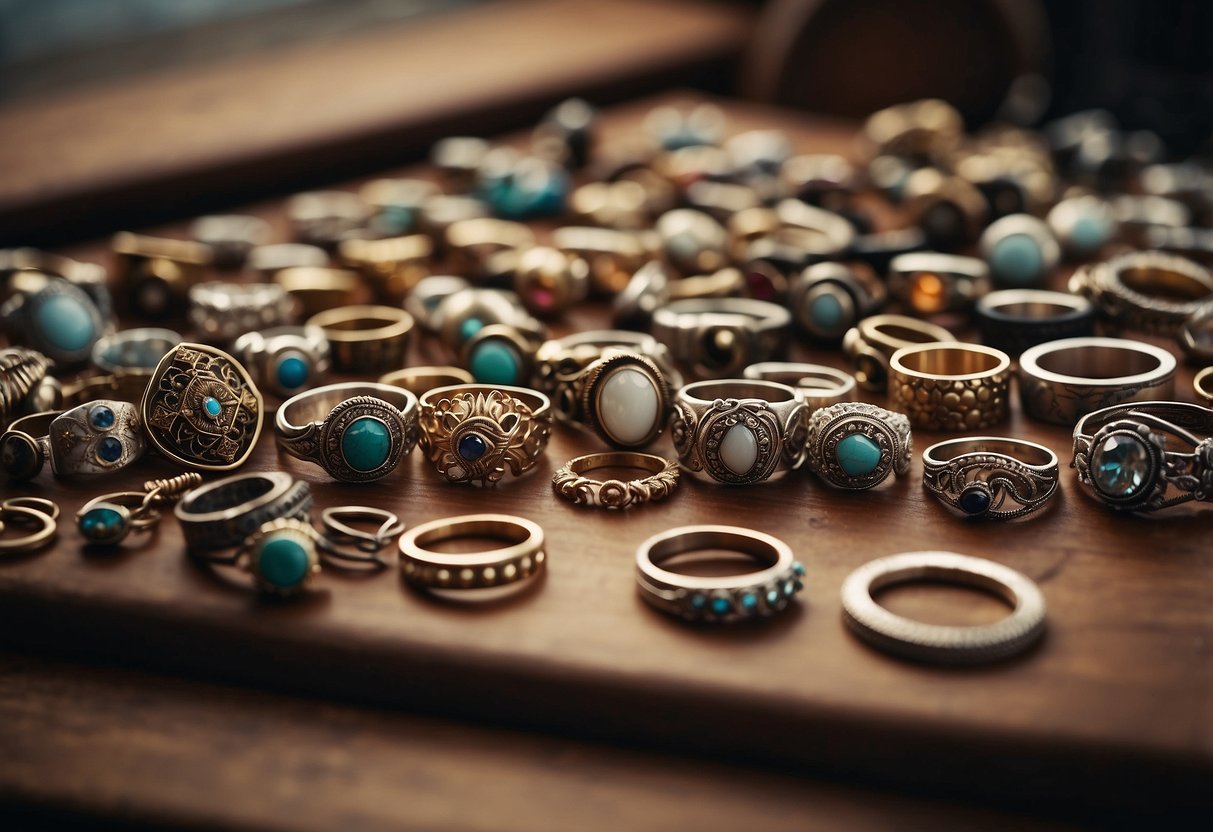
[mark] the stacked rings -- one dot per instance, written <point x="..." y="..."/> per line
<point x="223" y="513"/>
<point x="950" y="387"/>
<point x="990" y="476"/>
<point x="523" y="556"/>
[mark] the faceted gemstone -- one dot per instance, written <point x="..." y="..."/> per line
<point x="212" y="407"/>
<point x="1120" y="466"/>
<point x="292" y="372"/>
<point x="974" y="500"/>
<point x="1089" y="233"/>
<point x="1017" y="260"/>
<point x="721" y="606"/>
<point x="283" y="562"/>
<point x="109" y="449"/>
<point x="101" y="417"/>
<point x="628" y="406"/>
<point x="857" y="455"/>
<point x="493" y="362"/>
<point x="472" y="447"/>
<point x="366" y="444"/>
<point x="739" y="450"/>
<point x="66" y="323"/>
<point x="826" y="312"/>
<point x="102" y="524"/>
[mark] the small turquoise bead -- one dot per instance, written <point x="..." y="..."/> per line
<point x="722" y="606"/>
<point x="857" y="455"/>
<point x="472" y="447"/>
<point x="789" y="588"/>
<point x="292" y="372"/>
<point x="109" y="449"/>
<point x="212" y="407"/>
<point x="102" y="525"/>
<point x="798" y="568"/>
<point x="1089" y="233"/>
<point x="366" y="444"/>
<point x="470" y="327"/>
<point x="283" y="562"/>
<point x="698" y="602"/>
<point x="101" y="417"/>
<point x="66" y="323"/>
<point x="749" y="601"/>
<point x="1016" y="260"/>
<point x="826" y="312"/>
<point x="493" y="362"/>
<point x="773" y="597"/>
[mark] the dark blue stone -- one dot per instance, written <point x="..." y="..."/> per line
<point x="109" y="449"/>
<point x="101" y="417"/>
<point x="472" y="447"/>
<point x="974" y="501"/>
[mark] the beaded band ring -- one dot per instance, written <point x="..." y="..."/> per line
<point x="950" y="386"/>
<point x="521" y="558"/>
<point x="1145" y="291"/>
<point x="991" y="476"/>
<point x="571" y="483"/>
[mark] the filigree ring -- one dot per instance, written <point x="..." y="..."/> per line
<point x="990" y="476"/>
<point x="856" y="446"/>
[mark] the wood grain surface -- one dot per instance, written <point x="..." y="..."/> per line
<point x="1112" y="713"/>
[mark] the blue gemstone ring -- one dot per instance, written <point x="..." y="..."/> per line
<point x="285" y="359"/>
<point x="1146" y="456"/>
<point x="856" y="446"/>
<point x="99" y="437"/>
<point x="990" y="476"/>
<point x="357" y="432"/>
<point x="827" y="299"/>
<point x="721" y="598"/>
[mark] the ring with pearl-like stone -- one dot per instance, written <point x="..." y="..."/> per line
<point x="990" y="476"/>
<point x="855" y="446"/>
<point x="739" y="431"/>
<point x="357" y="432"/>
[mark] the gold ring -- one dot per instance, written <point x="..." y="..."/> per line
<point x="571" y="484"/>
<point x="522" y="557"/>
<point x="393" y="266"/>
<point x="21" y="510"/>
<point x="420" y="380"/>
<point x="366" y="337"/>
<point x="317" y="288"/>
<point x="870" y="343"/>
<point x="1203" y="385"/>
<point x="950" y="386"/>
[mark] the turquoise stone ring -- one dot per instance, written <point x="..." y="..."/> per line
<point x="856" y="446"/>
<point x="285" y="360"/>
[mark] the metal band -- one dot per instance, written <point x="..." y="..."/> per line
<point x="827" y="299"/>
<point x="523" y="557"/>
<point x="718" y="337"/>
<point x="903" y="637"/>
<point x="571" y="484"/>
<point x="1196" y="335"/>
<point x="1062" y="380"/>
<point x="1015" y="319"/>
<point x="951" y="387"/>
<point x="856" y="446"/>
<point x="819" y="386"/>
<point x="366" y="338"/>
<point x="13" y="512"/>
<point x="1139" y="290"/>
<point x="727" y="598"/>
<point x="870" y="343"/>
<point x="991" y="476"/>
<point x="420" y="380"/>
<point x="1202" y="383"/>
<point x="221" y="514"/>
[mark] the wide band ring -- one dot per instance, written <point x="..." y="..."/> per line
<point x="476" y="432"/>
<point x="1202" y="383"/>
<point x="827" y="299"/>
<point x="725" y="598"/>
<point x="223" y="513"/>
<point x="523" y="557"/>
<point x="357" y="432"/>
<point x="96" y="438"/>
<point x="221" y="312"/>
<point x="870" y="343"/>
<point x="1145" y="291"/>
<point x="201" y="409"/>
<point x="134" y="350"/>
<point x="1060" y="381"/>
<point x="991" y="476"/>
<point x="854" y="445"/>
<point x="1015" y="319"/>
<point x="25" y="445"/>
<point x="1146" y="456"/>
<point x="717" y="337"/>
<point x="285" y="359"/>
<point x="819" y="386"/>
<point x="942" y="644"/>
<point x="951" y="386"/>
<point x="739" y="431"/>
<point x="931" y="283"/>
<point x="420" y="380"/>
<point x="571" y="483"/>
<point x="24" y="383"/>
<point x="366" y="338"/>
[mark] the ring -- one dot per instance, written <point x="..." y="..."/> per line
<point x="1196" y="334"/>
<point x="618" y="384"/>
<point x="827" y="299"/>
<point x="134" y="350"/>
<point x="855" y="445"/>
<point x="392" y="265"/>
<point x="1082" y="224"/>
<point x="285" y="359"/>
<point x="222" y="311"/>
<point x="950" y="386"/>
<point x="549" y="281"/>
<point x="979" y="474"/>
<point x="221" y="514"/>
<point x="59" y="320"/>
<point x="40" y="513"/>
<point x="523" y="556"/>
<point x="819" y="386"/>
<point x="725" y="598"/>
<point x="324" y="218"/>
<point x="739" y="431"/>
<point x="357" y="432"/>
<point x="722" y="283"/>
<point x="282" y="555"/>
<point x="460" y="315"/>
<point x="904" y="637"/>
<point x="315" y="289"/>
<point x="230" y="237"/>
<point x="474" y="432"/>
<point x="156" y="273"/>
<point x="504" y="353"/>
<point x="1060" y="381"/>
<point x="871" y="342"/>
<point x="633" y="306"/>
<point x="931" y="283"/>
<point x="337" y="530"/>
<point x="429" y="293"/>
<point x="1014" y="319"/>
<point x="570" y="483"/>
<point x="717" y="337"/>
<point x="24" y="384"/>
<point x="96" y="438"/>
<point x="201" y="409"/>
<point x="270" y="260"/>
<point x="420" y="380"/>
<point x="1020" y="249"/>
<point x="107" y="519"/>
<point x="474" y="243"/>
<point x="25" y="445"/>
<point x="1145" y="291"/>
<point x="1130" y="455"/>
<point x="1202" y="383"/>
<point x="366" y="338"/>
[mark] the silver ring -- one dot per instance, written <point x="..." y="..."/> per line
<point x="856" y="446"/>
<point x="892" y="633"/>
<point x="739" y="431"/>
<point x="285" y="359"/>
<point x="1015" y="319"/>
<point x="931" y="283"/>
<point x="357" y="431"/>
<point x="1060" y="381"/>
<point x="96" y="438"/>
<point x="522" y="557"/>
<point x="1146" y="456"/>
<point x="222" y="311"/>
<point x="719" y="599"/>
<point x="1020" y="250"/>
<point x="819" y="386"/>
<point x="134" y="350"/>
<point x="827" y="299"/>
<point x="991" y="476"/>
<point x="718" y="337"/>
<point x="59" y="320"/>
<point x="223" y="513"/>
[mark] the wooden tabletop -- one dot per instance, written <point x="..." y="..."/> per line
<point x="1112" y="712"/>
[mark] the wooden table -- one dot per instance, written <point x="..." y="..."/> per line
<point x="1111" y="717"/>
